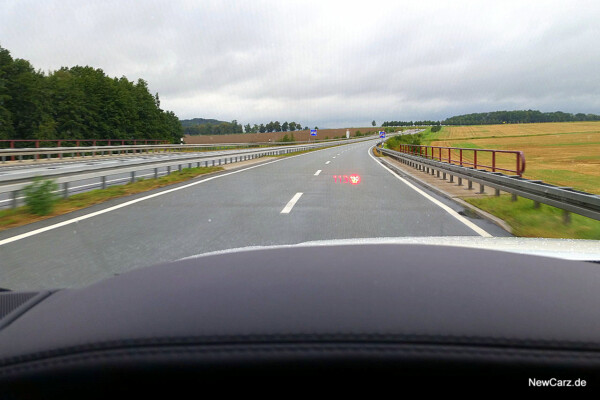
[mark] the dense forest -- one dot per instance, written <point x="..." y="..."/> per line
<point x="502" y="117"/>
<point x="78" y="103"/>
<point x="203" y="127"/>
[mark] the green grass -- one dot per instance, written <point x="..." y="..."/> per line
<point x="546" y="222"/>
<point x="22" y="215"/>
<point x="429" y="136"/>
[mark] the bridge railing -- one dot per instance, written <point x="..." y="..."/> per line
<point x="485" y="159"/>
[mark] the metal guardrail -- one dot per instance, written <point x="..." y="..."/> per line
<point x="565" y="198"/>
<point x="65" y="180"/>
<point x="35" y="153"/>
<point x="435" y="153"/>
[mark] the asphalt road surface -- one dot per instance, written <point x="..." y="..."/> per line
<point x="280" y="201"/>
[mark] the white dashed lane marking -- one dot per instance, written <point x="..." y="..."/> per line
<point x="288" y="207"/>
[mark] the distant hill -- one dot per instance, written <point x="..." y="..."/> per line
<point x="502" y="117"/>
<point x="518" y="117"/>
<point x="199" y="121"/>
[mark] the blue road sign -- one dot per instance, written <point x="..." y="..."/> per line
<point x="382" y="134"/>
<point x="313" y="132"/>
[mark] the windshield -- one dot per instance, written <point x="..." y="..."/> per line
<point x="134" y="134"/>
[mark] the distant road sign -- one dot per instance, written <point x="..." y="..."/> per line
<point x="313" y="132"/>
<point x="382" y="134"/>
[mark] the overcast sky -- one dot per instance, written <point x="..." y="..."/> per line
<point x="326" y="63"/>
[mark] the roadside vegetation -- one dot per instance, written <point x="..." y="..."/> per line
<point x="546" y="221"/>
<point x="40" y="197"/>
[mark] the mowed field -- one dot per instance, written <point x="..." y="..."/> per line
<point x="273" y="136"/>
<point x="561" y="153"/>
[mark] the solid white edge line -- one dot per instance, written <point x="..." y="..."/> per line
<point x="450" y="211"/>
<point x="318" y="172"/>
<point x="288" y="207"/>
<point x="128" y="203"/>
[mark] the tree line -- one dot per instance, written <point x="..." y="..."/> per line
<point x="502" y="117"/>
<point x="224" y="128"/>
<point x="518" y="117"/>
<point x="409" y="123"/>
<point x="78" y="103"/>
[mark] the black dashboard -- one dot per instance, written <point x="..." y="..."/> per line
<point x="406" y="314"/>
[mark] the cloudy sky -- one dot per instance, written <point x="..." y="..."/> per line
<point x="325" y="63"/>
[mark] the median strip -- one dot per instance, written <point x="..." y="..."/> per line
<point x="21" y="215"/>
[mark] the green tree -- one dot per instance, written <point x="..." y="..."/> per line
<point x="373" y="123"/>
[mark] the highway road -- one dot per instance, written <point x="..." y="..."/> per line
<point x="279" y="201"/>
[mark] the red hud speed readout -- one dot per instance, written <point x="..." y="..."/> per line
<point x="352" y="179"/>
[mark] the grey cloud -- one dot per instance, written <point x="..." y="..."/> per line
<point x="325" y="63"/>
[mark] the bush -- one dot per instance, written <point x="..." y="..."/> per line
<point x="39" y="196"/>
<point x="435" y="128"/>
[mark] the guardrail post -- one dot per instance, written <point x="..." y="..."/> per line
<point x="132" y="176"/>
<point x="470" y="185"/>
<point x="459" y="181"/>
<point x="481" y="189"/>
<point x="513" y="197"/>
<point x="189" y="165"/>
<point x="155" y="173"/>
<point x="451" y="178"/>
<point x="169" y="170"/>
<point x="103" y="180"/>
<point x="438" y="173"/>
<point x="65" y="190"/>
<point x="497" y="192"/>
<point x="3" y="159"/>
<point x="179" y="167"/>
<point x="566" y="217"/>
<point x="444" y="175"/>
<point x="13" y="197"/>
<point x="213" y="163"/>
<point x="536" y="204"/>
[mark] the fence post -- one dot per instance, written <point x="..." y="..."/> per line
<point x="14" y="195"/>
<point x="566" y="217"/>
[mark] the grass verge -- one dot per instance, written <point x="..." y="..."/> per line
<point x="21" y="215"/>
<point x="545" y="222"/>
